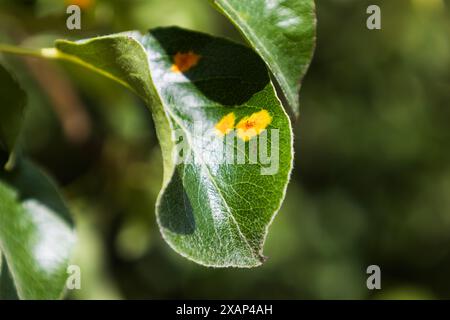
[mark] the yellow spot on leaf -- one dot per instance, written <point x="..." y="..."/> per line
<point x="253" y="125"/>
<point x="225" y="125"/>
<point x="182" y="62"/>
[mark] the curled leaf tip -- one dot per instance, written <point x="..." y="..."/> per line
<point x="183" y="62"/>
<point x="253" y="125"/>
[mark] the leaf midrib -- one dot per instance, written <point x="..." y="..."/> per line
<point x="211" y="177"/>
<point x="180" y="124"/>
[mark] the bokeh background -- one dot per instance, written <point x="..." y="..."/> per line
<point x="371" y="183"/>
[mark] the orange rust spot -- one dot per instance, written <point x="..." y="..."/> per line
<point x="226" y="124"/>
<point x="83" y="4"/>
<point x="253" y="125"/>
<point x="182" y="62"/>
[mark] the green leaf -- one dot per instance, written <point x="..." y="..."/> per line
<point x="7" y="289"/>
<point x="214" y="214"/>
<point x="36" y="235"/>
<point x="282" y="32"/>
<point x="12" y="106"/>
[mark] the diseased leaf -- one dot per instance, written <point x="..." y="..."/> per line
<point x="12" y="106"/>
<point x="282" y="32"/>
<point x="217" y="214"/>
<point x="36" y="235"/>
<point x="209" y="96"/>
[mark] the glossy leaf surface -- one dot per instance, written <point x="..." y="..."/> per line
<point x="282" y="32"/>
<point x="36" y="235"/>
<point x="215" y="213"/>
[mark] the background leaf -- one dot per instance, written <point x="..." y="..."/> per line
<point x="216" y="215"/>
<point x="7" y="290"/>
<point x="12" y="102"/>
<point x="282" y="32"/>
<point x="36" y="235"/>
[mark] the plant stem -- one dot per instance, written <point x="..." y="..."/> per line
<point x="53" y="53"/>
<point x="48" y="53"/>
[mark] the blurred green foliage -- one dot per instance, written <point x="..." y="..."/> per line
<point x="371" y="183"/>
